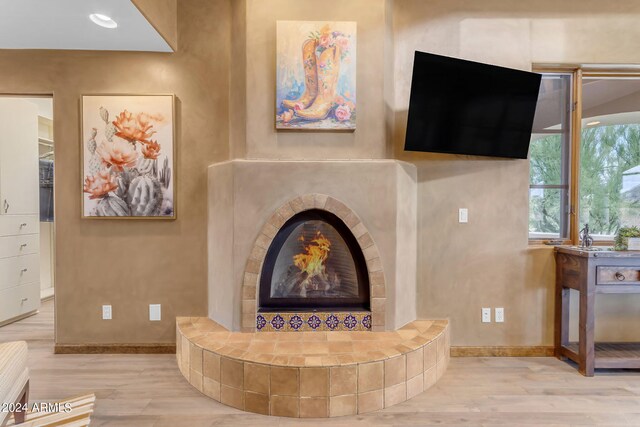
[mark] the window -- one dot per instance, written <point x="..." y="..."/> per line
<point x="585" y="155"/>
<point x="549" y="159"/>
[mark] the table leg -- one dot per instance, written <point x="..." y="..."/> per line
<point x="586" y="327"/>
<point x="561" y="330"/>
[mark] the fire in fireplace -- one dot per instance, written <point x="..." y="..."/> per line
<point x="314" y="262"/>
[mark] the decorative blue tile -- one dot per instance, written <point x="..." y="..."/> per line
<point x="277" y="322"/>
<point x="366" y="321"/>
<point x="295" y="322"/>
<point x="350" y="321"/>
<point x="314" y="322"/>
<point x="332" y="321"/>
<point x="260" y="322"/>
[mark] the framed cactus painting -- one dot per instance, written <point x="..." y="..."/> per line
<point x="316" y="75"/>
<point x="128" y="155"/>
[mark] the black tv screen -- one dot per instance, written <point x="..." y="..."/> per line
<point x="465" y="107"/>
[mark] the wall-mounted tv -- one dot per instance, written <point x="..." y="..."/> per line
<point x="465" y="107"/>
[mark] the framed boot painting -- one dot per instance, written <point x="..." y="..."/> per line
<point x="128" y="156"/>
<point x="316" y="75"/>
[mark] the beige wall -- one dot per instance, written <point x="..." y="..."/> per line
<point x="488" y="263"/>
<point x="262" y="141"/>
<point x="130" y="264"/>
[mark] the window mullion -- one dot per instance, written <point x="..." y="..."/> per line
<point x="576" y="125"/>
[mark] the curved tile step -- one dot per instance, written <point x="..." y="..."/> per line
<point x="311" y="374"/>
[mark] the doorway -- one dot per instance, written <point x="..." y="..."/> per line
<point x="27" y="223"/>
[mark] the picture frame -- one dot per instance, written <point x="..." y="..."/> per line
<point x="128" y="156"/>
<point x="316" y="75"/>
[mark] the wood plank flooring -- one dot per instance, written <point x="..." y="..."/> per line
<point x="148" y="390"/>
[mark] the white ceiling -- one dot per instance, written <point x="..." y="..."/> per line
<point x="65" y="24"/>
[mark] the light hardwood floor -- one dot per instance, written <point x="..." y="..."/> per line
<point x="148" y="390"/>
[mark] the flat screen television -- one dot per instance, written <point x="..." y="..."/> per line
<point x="465" y="107"/>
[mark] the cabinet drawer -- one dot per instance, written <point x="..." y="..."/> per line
<point x="19" y="270"/>
<point x="19" y="245"/>
<point x="19" y="300"/>
<point x="29" y="297"/>
<point x="14" y="225"/>
<point x="617" y="275"/>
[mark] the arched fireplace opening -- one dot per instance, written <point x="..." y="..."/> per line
<point x="314" y="263"/>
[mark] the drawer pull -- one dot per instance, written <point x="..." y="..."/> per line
<point x="24" y="270"/>
<point x="24" y="224"/>
<point x="6" y="206"/>
<point x="22" y="246"/>
<point x="25" y="299"/>
<point x="619" y="276"/>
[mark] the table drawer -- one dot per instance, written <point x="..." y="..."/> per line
<point x="606" y="275"/>
<point x="19" y="300"/>
<point x="19" y="270"/>
<point x="14" y="225"/>
<point x="19" y="245"/>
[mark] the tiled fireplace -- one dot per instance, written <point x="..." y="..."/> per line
<point x="321" y="259"/>
<point x="312" y="290"/>
<point x="312" y="245"/>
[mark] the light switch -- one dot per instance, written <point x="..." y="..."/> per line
<point x="463" y="215"/>
<point x="106" y="312"/>
<point x="155" y="312"/>
<point x="486" y="315"/>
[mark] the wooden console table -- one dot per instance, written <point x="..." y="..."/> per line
<point x="592" y="273"/>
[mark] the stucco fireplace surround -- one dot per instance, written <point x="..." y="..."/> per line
<point x="312" y="290"/>
<point x="250" y="200"/>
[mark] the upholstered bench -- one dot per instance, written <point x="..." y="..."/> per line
<point x="14" y="379"/>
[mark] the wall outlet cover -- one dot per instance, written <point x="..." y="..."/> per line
<point x="155" y="312"/>
<point x="106" y="312"/>
<point x="463" y="215"/>
<point x="499" y="314"/>
<point x="486" y="315"/>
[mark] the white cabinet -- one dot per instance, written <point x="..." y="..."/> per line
<point x="19" y="270"/>
<point x="17" y="225"/>
<point x="19" y="300"/>
<point x="19" y="210"/>
<point x="11" y="246"/>
<point x="19" y="182"/>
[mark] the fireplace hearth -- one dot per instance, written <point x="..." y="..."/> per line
<point x="312" y="274"/>
<point x="314" y="263"/>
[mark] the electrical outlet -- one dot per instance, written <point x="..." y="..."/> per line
<point x="155" y="312"/>
<point x="463" y="215"/>
<point x="486" y="315"/>
<point x="106" y="312"/>
<point x="499" y="314"/>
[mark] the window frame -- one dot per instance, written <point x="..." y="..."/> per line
<point x="579" y="72"/>
<point x="571" y="217"/>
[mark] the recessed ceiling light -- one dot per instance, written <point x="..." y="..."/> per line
<point x="103" y="20"/>
<point x="593" y="123"/>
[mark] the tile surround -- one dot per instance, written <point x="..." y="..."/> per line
<point x="312" y="374"/>
<point x="287" y="322"/>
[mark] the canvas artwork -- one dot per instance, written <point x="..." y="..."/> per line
<point x="316" y="75"/>
<point x="128" y="156"/>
